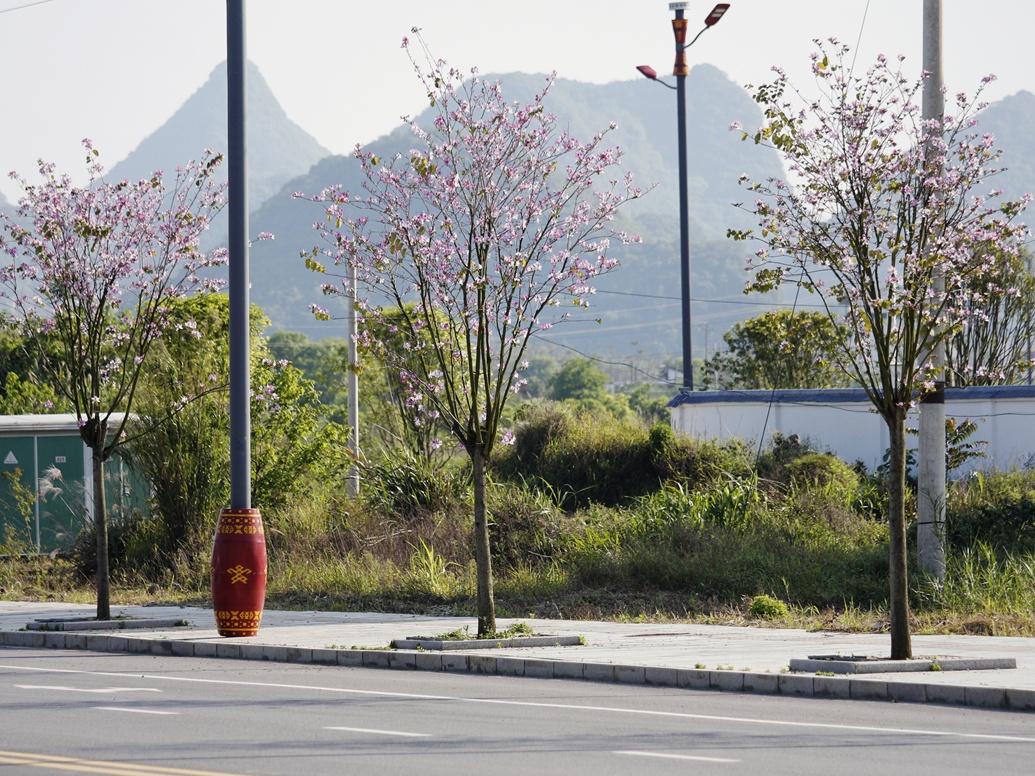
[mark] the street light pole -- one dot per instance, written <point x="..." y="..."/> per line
<point x="680" y="71"/>
<point x="240" y="323"/>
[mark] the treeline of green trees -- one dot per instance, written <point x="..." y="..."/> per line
<point x="385" y="421"/>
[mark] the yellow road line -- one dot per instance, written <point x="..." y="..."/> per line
<point x="56" y="762"/>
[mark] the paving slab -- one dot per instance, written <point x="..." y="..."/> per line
<point x="695" y="657"/>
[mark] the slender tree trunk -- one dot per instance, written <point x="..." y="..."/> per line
<point x="482" y="556"/>
<point x="901" y="647"/>
<point x="100" y="522"/>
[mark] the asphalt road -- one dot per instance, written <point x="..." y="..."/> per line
<point x="135" y="714"/>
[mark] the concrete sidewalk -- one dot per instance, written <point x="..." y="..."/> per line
<point x="692" y="656"/>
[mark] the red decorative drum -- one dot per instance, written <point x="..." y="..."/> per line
<point x="239" y="572"/>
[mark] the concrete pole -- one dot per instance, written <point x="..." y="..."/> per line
<point x="353" y="408"/>
<point x="931" y="487"/>
<point x="237" y="205"/>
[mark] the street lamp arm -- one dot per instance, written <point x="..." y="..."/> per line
<point x="688" y="45"/>
<point x="652" y="74"/>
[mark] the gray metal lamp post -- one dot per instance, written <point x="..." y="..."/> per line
<point x="681" y="70"/>
<point x="240" y="324"/>
<point x="239" y="562"/>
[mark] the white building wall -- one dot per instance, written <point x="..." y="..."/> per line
<point x="843" y="422"/>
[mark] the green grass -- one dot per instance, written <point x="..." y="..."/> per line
<point x="704" y="545"/>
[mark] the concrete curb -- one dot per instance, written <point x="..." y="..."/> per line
<point x="442" y="645"/>
<point x="870" y="666"/>
<point x="88" y="624"/>
<point x="792" y="684"/>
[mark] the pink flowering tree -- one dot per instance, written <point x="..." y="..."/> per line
<point x="92" y="270"/>
<point x="879" y="203"/>
<point x="490" y="230"/>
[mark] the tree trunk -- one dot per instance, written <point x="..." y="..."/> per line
<point x="100" y="522"/>
<point x="482" y="556"/>
<point x="901" y="647"/>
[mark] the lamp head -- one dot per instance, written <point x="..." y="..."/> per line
<point x="715" y="15"/>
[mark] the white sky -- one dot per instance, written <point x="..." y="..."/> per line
<point x="115" y="70"/>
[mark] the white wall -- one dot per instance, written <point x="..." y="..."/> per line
<point x="842" y="421"/>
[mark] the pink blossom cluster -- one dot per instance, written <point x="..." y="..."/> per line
<point x="95" y="267"/>
<point x="880" y="204"/>
<point x="490" y="230"/>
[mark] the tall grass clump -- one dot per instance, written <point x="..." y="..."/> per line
<point x="746" y="545"/>
<point x="586" y="458"/>
<point x="981" y="581"/>
<point x="529" y="529"/>
<point x="402" y="545"/>
<point x="993" y="508"/>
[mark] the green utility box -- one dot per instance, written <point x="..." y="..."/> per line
<point x="46" y="484"/>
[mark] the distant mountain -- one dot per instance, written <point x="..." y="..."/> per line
<point x="638" y="304"/>
<point x="278" y="149"/>
<point x="1011" y="120"/>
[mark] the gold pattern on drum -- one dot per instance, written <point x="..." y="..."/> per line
<point x="238" y="573"/>
<point x="240" y="524"/>
<point x="242" y="620"/>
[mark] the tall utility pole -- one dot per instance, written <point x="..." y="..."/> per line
<point x="931" y="485"/>
<point x="353" y="378"/>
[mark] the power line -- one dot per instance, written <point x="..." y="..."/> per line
<point x="705" y="300"/>
<point x="858" y="42"/>
<point x="598" y="360"/>
<point x="27" y="5"/>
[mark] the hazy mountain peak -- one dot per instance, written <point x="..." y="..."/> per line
<point x="278" y="149"/>
<point x="1010" y="121"/>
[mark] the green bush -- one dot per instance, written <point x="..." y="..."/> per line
<point x="771" y="463"/>
<point x="580" y="457"/>
<point x="826" y="471"/>
<point x="763" y="607"/>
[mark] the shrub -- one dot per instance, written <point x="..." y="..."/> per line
<point x="580" y="457"/>
<point x="696" y="462"/>
<point x="823" y="470"/>
<point x="763" y="607"/>
<point x="586" y="458"/>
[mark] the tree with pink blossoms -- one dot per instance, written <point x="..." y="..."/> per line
<point x="878" y="204"/>
<point x="92" y="269"/>
<point x="490" y="230"/>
